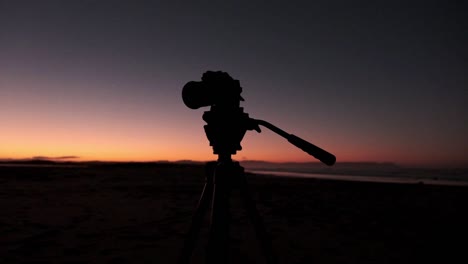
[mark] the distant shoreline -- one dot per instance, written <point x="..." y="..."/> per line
<point x="360" y="178"/>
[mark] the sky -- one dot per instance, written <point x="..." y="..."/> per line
<point x="365" y="80"/>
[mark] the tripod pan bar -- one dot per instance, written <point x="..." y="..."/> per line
<point x="307" y="147"/>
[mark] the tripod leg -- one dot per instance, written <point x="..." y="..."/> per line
<point x="218" y="243"/>
<point x="197" y="219"/>
<point x="255" y="218"/>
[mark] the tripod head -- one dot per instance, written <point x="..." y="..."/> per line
<point x="226" y="121"/>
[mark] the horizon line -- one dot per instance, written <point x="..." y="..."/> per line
<point x="64" y="160"/>
<point x="74" y="159"/>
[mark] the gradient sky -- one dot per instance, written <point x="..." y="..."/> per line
<point x="364" y="80"/>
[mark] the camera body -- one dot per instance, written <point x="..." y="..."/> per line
<point x="226" y="120"/>
<point x="216" y="89"/>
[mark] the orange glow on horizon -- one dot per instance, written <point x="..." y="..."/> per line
<point x="115" y="131"/>
<point x="136" y="150"/>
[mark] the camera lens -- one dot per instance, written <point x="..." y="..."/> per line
<point x="196" y="95"/>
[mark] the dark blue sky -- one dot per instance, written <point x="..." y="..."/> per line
<point x="367" y="80"/>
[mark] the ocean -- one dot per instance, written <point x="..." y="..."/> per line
<point x="381" y="179"/>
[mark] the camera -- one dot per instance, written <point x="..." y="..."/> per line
<point x="216" y="88"/>
<point x="226" y="120"/>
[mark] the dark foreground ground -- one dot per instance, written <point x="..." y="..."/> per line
<point x="139" y="214"/>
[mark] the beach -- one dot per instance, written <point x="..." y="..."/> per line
<point x="133" y="213"/>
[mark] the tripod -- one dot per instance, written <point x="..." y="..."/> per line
<point x="221" y="178"/>
<point x="226" y="126"/>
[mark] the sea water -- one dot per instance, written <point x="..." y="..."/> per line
<point x="344" y="177"/>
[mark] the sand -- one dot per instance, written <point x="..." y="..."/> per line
<point x="140" y="214"/>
